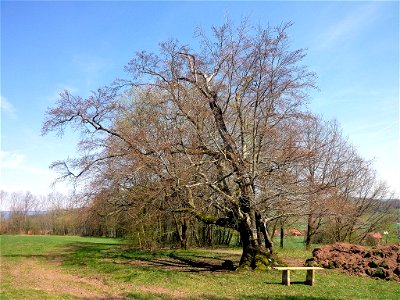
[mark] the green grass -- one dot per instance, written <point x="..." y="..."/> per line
<point x="24" y="245"/>
<point x="293" y="247"/>
<point x="167" y="274"/>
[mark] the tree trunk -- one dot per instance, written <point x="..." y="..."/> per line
<point x="184" y="235"/>
<point x="263" y="236"/>
<point x="309" y="233"/>
<point x="182" y="231"/>
<point x="255" y="256"/>
<point x="313" y="225"/>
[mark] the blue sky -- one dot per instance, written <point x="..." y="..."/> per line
<point x="49" y="46"/>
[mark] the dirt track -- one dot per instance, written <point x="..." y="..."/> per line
<point x="49" y="277"/>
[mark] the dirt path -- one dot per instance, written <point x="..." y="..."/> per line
<point x="49" y="277"/>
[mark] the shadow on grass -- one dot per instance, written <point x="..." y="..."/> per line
<point x="253" y="297"/>
<point x="67" y="251"/>
<point x="162" y="260"/>
<point x="291" y="283"/>
<point x="212" y="297"/>
<point x="227" y="265"/>
<point x="173" y="262"/>
<point x="79" y="254"/>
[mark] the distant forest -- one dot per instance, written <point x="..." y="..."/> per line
<point x="55" y="215"/>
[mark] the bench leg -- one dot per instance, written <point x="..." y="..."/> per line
<point x="285" y="277"/>
<point x="310" y="278"/>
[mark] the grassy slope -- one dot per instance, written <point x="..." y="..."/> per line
<point x="170" y="274"/>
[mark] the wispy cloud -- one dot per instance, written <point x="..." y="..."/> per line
<point x="91" y="67"/>
<point x="11" y="160"/>
<point x="349" y="26"/>
<point x="90" y="64"/>
<point x="18" y="162"/>
<point x="20" y="174"/>
<point x="7" y="107"/>
<point x="383" y="130"/>
<point x="59" y="88"/>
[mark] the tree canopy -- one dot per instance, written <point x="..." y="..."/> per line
<point x="220" y="132"/>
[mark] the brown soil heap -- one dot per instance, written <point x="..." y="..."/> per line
<point x="381" y="262"/>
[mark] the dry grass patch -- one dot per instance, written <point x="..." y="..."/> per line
<point x="49" y="277"/>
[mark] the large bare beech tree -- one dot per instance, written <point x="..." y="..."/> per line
<point x="210" y="130"/>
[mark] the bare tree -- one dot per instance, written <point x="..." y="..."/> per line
<point x="208" y="131"/>
<point x="342" y="188"/>
<point x="321" y="171"/>
<point x="358" y="206"/>
<point x="22" y="206"/>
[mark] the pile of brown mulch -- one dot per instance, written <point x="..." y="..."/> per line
<point x="381" y="262"/>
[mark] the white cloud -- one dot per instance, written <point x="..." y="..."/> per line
<point x="20" y="174"/>
<point x="11" y="160"/>
<point x="7" y="107"/>
<point x="17" y="162"/>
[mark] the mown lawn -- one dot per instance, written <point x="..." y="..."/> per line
<point x="93" y="268"/>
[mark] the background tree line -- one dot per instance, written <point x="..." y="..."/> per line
<point x="59" y="215"/>
<point x="31" y="214"/>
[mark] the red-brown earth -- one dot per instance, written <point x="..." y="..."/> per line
<point x="379" y="262"/>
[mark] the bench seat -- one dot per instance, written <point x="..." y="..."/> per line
<point x="310" y="277"/>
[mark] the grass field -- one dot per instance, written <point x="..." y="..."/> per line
<point x="58" y="267"/>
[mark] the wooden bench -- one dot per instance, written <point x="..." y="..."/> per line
<point x="310" y="277"/>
